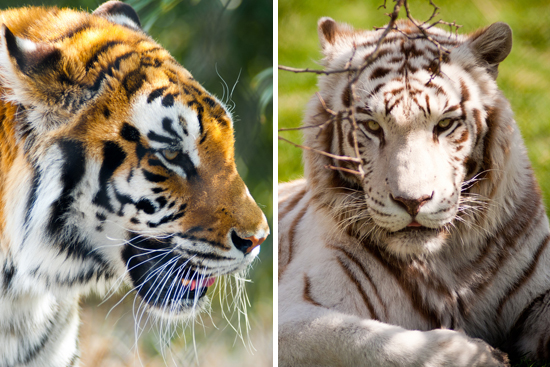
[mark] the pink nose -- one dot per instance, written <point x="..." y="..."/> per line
<point x="255" y="242"/>
<point x="412" y="206"/>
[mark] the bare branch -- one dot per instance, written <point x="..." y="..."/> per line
<point x="313" y="71"/>
<point x="347" y="170"/>
<point x="334" y="156"/>
<point x="322" y="101"/>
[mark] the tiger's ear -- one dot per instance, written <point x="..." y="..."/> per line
<point x="330" y="33"/>
<point x="28" y="79"/>
<point x="119" y="13"/>
<point x="20" y="59"/>
<point x="28" y="56"/>
<point x="492" y="45"/>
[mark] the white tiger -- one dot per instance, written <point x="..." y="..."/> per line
<point x="439" y="256"/>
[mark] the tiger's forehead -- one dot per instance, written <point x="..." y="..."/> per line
<point x="402" y="84"/>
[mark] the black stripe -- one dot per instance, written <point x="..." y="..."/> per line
<point x="130" y="133"/>
<point x="72" y="172"/>
<point x="31" y="200"/>
<point x="167" y="219"/>
<point x="106" y="112"/>
<point x="184" y="161"/>
<point x="183" y="123"/>
<point x="156" y="94"/>
<point x="123" y="200"/>
<point x="133" y="81"/>
<point x="161" y="139"/>
<point x="103" y="49"/>
<point x="8" y="272"/>
<point x="153" y="162"/>
<point x="152" y="177"/>
<point x="170" y="218"/>
<point x="209" y="256"/>
<point x="146" y="205"/>
<point x="148" y="61"/>
<point x="200" y="110"/>
<point x="161" y="201"/>
<point x="73" y="32"/>
<point x="168" y="100"/>
<point x="203" y="138"/>
<point x="113" y="157"/>
<point x="167" y="125"/>
<point x="210" y="102"/>
<point x="109" y="70"/>
<point x="204" y="240"/>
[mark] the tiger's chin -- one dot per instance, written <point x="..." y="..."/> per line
<point x="412" y="242"/>
<point x="181" y="310"/>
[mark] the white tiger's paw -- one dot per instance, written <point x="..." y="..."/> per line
<point x="472" y="353"/>
<point x="494" y="357"/>
<point x="454" y="348"/>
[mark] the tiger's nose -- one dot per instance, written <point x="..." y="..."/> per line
<point x="245" y="245"/>
<point x="412" y="206"/>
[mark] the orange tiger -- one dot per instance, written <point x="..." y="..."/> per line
<point x="116" y="166"/>
<point x="438" y="255"/>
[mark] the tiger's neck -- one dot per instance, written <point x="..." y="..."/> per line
<point x="38" y="330"/>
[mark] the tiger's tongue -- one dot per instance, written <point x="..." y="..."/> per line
<point x="203" y="283"/>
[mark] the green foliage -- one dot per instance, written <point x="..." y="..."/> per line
<point x="524" y="76"/>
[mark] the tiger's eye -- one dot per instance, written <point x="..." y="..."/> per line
<point x="443" y="124"/>
<point x="373" y="125"/>
<point x="170" y="154"/>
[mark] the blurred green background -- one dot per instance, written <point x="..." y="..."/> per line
<point x="524" y="76"/>
<point x="233" y="37"/>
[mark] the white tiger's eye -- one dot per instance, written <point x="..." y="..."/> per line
<point x="444" y="124"/>
<point x="169" y="154"/>
<point x="373" y="125"/>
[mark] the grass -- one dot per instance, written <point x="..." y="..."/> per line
<point x="524" y="76"/>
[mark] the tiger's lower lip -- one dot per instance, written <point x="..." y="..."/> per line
<point x="414" y="228"/>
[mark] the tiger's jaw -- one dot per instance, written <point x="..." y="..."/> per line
<point x="164" y="282"/>
<point x="171" y="284"/>
<point x="406" y="235"/>
<point x="415" y="241"/>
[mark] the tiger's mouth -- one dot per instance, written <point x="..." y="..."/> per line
<point x="164" y="279"/>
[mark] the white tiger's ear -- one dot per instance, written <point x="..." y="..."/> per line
<point x="330" y="33"/>
<point x="491" y="45"/>
<point x="119" y="13"/>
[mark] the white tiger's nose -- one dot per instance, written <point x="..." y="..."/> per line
<point x="412" y="206"/>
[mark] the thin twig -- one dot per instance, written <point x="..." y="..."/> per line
<point x="312" y="71"/>
<point x="334" y="156"/>
<point x="347" y="170"/>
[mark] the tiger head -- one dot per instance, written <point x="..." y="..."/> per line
<point x="424" y="121"/>
<point x="121" y="165"/>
